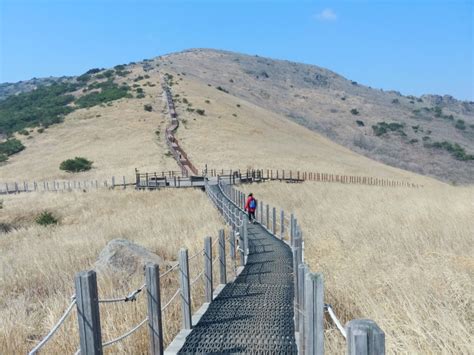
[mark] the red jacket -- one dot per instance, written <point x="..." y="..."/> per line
<point x="247" y="204"/>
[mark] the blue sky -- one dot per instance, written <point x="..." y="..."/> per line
<point x="416" y="47"/>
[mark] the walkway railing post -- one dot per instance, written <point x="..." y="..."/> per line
<point x="314" y="313"/>
<point x="246" y="239"/>
<point x="152" y="276"/>
<point x="232" y="245"/>
<point x="185" y="288"/>
<point x="303" y="269"/>
<point x="267" y="224"/>
<point x="292" y="229"/>
<point x="208" y="268"/>
<point x="88" y="316"/>
<point x="222" y="261"/>
<point x="274" y="220"/>
<point x="282" y="224"/>
<point x="364" y="337"/>
<point x="261" y="212"/>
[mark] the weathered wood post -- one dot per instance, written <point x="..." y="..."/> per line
<point x="295" y="279"/>
<point x="261" y="212"/>
<point x="155" y="327"/>
<point x="222" y="261"/>
<point x="232" y="245"/>
<point x="113" y="182"/>
<point x="314" y="313"/>
<point x="88" y="317"/>
<point x="274" y="220"/>
<point x="267" y="224"/>
<point x="208" y="268"/>
<point x="246" y="238"/>
<point x="292" y="229"/>
<point x="124" y="183"/>
<point x="303" y="269"/>
<point x="241" y="244"/>
<point x="185" y="288"/>
<point x="282" y="224"/>
<point x="364" y="337"/>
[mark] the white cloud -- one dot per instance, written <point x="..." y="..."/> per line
<point x="326" y="15"/>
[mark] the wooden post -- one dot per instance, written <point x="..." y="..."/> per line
<point x="246" y="237"/>
<point x="185" y="288"/>
<point x="274" y="221"/>
<point x="292" y="229"/>
<point x="113" y="182"/>
<point x="314" y="313"/>
<point x="124" y="183"/>
<point x="232" y="245"/>
<point x="88" y="317"/>
<point x="364" y="337"/>
<point x="295" y="281"/>
<point x="208" y="268"/>
<point x="241" y="244"/>
<point x="282" y="224"/>
<point x="267" y="224"/>
<point x="303" y="269"/>
<point x="222" y="261"/>
<point x="261" y="212"/>
<point x="152" y="276"/>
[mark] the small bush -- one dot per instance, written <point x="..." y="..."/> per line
<point x="40" y="130"/>
<point x="76" y="165"/>
<point x="354" y="111"/>
<point x="343" y="98"/>
<point x="138" y="78"/>
<point x="360" y="123"/>
<point x="3" y="157"/>
<point x="455" y="149"/>
<point x="395" y="101"/>
<point x="460" y="124"/>
<point x="185" y="100"/>
<point x="148" y="108"/>
<point x="413" y="141"/>
<point x="231" y="80"/>
<point x="234" y="114"/>
<point x="238" y="105"/>
<point x="200" y="112"/>
<point x="140" y="96"/>
<point x="11" y="146"/>
<point x="24" y="132"/>
<point x="220" y="88"/>
<point x="46" y="218"/>
<point x="207" y="102"/>
<point x="140" y="90"/>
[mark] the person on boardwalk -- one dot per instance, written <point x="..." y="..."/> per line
<point x="250" y="207"/>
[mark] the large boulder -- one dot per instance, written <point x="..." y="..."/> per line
<point x="124" y="257"/>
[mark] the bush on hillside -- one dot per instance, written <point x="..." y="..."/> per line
<point x="383" y="127"/>
<point x="455" y="149"/>
<point x="354" y="111"/>
<point x="148" y="108"/>
<point x="360" y="123"/>
<point x="44" y="106"/>
<point x="460" y="124"/>
<point x="200" y="112"/>
<point x="109" y="91"/>
<point x="76" y="165"/>
<point x="46" y="218"/>
<point x="11" y="146"/>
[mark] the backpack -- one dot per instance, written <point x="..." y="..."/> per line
<point x="253" y="203"/>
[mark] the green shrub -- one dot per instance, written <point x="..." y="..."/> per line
<point x="24" y="132"/>
<point x="360" y="123"/>
<point x="44" y="106"/>
<point x="109" y="73"/>
<point x="200" y="112"/>
<point x="138" y="78"/>
<point x="140" y="90"/>
<point x="437" y="111"/>
<point x="354" y="111"/>
<point x="383" y="127"/>
<point x="207" y="102"/>
<point x="3" y="157"/>
<point x="76" y="165"/>
<point x="120" y="67"/>
<point x="109" y="91"/>
<point x="185" y="100"/>
<point x="40" y="130"/>
<point x="220" y="88"/>
<point x="460" y="124"/>
<point x="238" y="105"/>
<point x="11" y="146"/>
<point x="46" y="218"/>
<point x="148" y="107"/>
<point x="455" y="149"/>
<point x="140" y="95"/>
<point x="395" y="101"/>
<point x="414" y="140"/>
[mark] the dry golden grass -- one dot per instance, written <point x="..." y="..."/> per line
<point x="259" y="138"/>
<point x="37" y="264"/>
<point x="402" y="257"/>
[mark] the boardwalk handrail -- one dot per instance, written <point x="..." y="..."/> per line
<point x="362" y="336"/>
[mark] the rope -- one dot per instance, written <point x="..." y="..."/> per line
<point x="169" y="270"/>
<point x="215" y="259"/>
<point x="131" y="331"/>
<point x="197" y="277"/>
<point x="132" y="296"/>
<point x="171" y="300"/>
<point x="200" y="252"/>
<point x="54" y="329"/>
<point x="335" y="320"/>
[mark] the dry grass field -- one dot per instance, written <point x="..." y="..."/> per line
<point x="402" y="257"/>
<point x="37" y="264"/>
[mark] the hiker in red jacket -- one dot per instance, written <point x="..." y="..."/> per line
<point x="250" y="207"/>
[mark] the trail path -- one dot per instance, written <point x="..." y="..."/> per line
<point x="254" y="314"/>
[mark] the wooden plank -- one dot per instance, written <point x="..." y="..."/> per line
<point x="152" y="277"/>
<point x="88" y="316"/>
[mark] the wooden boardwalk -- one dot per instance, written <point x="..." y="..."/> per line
<point x="254" y="314"/>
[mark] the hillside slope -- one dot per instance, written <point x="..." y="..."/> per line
<point x="409" y="132"/>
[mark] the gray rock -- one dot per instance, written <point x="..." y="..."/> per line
<point x="125" y="257"/>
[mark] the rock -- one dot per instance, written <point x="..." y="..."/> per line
<point x="123" y="256"/>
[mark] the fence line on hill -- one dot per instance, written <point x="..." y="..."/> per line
<point x="363" y="336"/>
<point x="87" y="301"/>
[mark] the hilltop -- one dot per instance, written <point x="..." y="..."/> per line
<point x="430" y="135"/>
